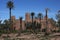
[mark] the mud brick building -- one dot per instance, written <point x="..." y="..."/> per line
<point x="50" y="24"/>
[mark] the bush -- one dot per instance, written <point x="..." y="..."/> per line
<point x="43" y="30"/>
<point x="0" y="34"/>
<point x="25" y="31"/>
<point x="15" y="31"/>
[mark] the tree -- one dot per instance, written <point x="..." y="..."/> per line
<point x="46" y="20"/>
<point x="46" y="15"/>
<point x="32" y="15"/>
<point x="20" y="23"/>
<point x="6" y="25"/>
<point x="28" y="25"/>
<point x="0" y="23"/>
<point x="0" y="27"/>
<point x="10" y="6"/>
<point x="38" y="25"/>
<point x="20" y="26"/>
<point x="58" y="18"/>
<point x="53" y="22"/>
<point x="40" y="16"/>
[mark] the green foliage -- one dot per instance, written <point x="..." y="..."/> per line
<point x="5" y="27"/>
<point x="15" y="31"/>
<point x="10" y="4"/>
<point x="32" y="14"/>
<point x="35" y="28"/>
<point x="58" y="18"/>
<point x="40" y="15"/>
<point x="59" y="23"/>
<point x="25" y="31"/>
<point x="44" y="30"/>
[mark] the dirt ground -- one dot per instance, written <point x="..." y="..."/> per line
<point x="55" y="36"/>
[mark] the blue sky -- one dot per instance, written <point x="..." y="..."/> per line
<point x="23" y="6"/>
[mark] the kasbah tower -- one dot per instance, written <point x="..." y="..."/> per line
<point x="16" y="23"/>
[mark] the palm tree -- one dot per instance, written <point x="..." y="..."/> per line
<point x="58" y="18"/>
<point x="20" y="26"/>
<point x="32" y="15"/>
<point x="10" y="6"/>
<point x="40" y="17"/>
<point x="19" y="32"/>
<point x="46" y="13"/>
<point x="20" y="23"/>
<point x="46" y="19"/>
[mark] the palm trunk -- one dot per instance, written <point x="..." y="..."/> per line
<point x="40" y="20"/>
<point x="10" y="15"/>
<point x="46" y="24"/>
<point x="20" y="30"/>
<point x="33" y="26"/>
<point x="10" y="19"/>
<point x="32" y="22"/>
<point x="20" y="25"/>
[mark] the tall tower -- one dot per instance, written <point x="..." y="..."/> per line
<point x="13" y="18"/>
<point x="27" y="17"/>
